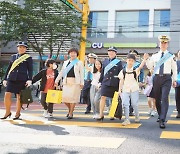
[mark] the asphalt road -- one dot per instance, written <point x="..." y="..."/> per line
<point x="38" y="135"/>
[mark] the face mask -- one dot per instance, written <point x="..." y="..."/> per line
<point x="54" y="66"/>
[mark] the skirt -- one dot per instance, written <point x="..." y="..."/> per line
<point x="15" y="86"/>
<point x="108" y="91"/>
<point x="71" y="91"/>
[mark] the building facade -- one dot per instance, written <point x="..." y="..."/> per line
<point x="135" y="24"/>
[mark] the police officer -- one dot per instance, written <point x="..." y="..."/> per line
<point x="85" y="95"/>
<point x="165" y="75"/>
<point x="18" y="75"/>
<point x="177" y="89"/>
<point x="108" y="81"/>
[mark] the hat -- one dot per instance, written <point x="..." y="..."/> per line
<point x="164" y="38"/>
<point x="22" y="44"/>
<point x="131" y="56"/>
<point x="112" y="49"/>
<point x="133" y="51"/>
<point x="92" y="55"/>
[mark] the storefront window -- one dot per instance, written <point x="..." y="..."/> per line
<point x="132" y="24"/>
<point x="161" y="22"/>
<point x="98" y="22"/>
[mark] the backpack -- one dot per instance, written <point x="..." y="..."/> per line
<point x="134" y="72"/>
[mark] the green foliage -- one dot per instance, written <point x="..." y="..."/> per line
<point x="39" y="19"/>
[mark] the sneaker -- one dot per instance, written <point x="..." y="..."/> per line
<point x="95" y="116"/>
<point x="150" y="111"/>
<point x="45" y="113"/>
<point x="49" y="115"/>
<point x="137" y="119"/>
<point x="153" y="113"/>
<point x="126" y="122"/>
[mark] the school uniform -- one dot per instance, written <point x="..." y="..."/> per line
<point x="162" y="81"/>
<point x="110" y="81"/>
<point x="17" y="78"/>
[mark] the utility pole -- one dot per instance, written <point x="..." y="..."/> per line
<point x="85" y="13"/>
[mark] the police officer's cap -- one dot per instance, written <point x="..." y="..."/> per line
<point x="112" y="49"/>
<point x="22" y="44"/>
<point x="92" y="55"/>
<point x="164" y="38"/>
<point x="133" y="52"/>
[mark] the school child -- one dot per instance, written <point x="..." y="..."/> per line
<point x="129" y="87"/>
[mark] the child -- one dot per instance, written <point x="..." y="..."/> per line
<point x="47" y="77"/>
<point x="129" y="87"/>
<point x="150" y="95"/>
<point x="94" y="90"/>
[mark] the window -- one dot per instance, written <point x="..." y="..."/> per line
<point x="143" y="20"/>
<point x="161" y="22"/>
<point x="165" y="18"/>
<point x="98" y="22"/>
<point x="132" y="24"/>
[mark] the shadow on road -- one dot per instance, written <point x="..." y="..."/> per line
<point x="45" y="150"/>
<point x="50" y="128"/>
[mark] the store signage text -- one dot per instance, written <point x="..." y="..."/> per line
<point x="97" y="45"/>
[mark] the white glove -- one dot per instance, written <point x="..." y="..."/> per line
<point x="28" y="83"/>
<point x="5" y="83"/>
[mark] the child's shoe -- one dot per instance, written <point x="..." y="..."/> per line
<point x="137" y="119"/>
<point x="126" y="122"/>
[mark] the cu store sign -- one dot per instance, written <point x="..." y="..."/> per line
<point x="97" y="45"/>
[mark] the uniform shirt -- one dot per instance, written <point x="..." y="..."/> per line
<point x="22" y="72"/>
<point x="169" y="65"/>
<point x="50" y="80"/>
<point x="110" y="78"/>
<point x="130" y="83"/>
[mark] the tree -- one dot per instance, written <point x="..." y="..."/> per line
<point x="46" y="24"/>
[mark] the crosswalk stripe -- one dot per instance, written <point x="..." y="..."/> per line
<point x="173" y="116"/>
<point x="170" y="135"/>
<point x="88" y="116"/>
<point x="77" y="111"/>
<point x="65" y="140"/>
<point x="75" y="123"/>
<point x="176" y="122"/>
<point x="99" y="124"/>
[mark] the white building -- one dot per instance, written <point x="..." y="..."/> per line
<point x="133" y="24"/>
